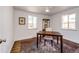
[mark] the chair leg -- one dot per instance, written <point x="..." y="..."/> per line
<point x="57" y="40"/>
<point x="40" y="38"/>
<point x="51" y="42"/>
<point x="44" y="42"/>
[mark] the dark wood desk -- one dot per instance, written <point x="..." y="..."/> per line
<point x="56" y="34"/>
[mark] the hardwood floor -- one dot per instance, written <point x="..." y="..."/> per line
<point x="18" y="45"/>
<point x="71" y="44"/>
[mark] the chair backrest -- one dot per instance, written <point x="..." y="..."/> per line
<point x="49" y="29"/>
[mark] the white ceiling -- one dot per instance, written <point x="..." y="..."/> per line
<point x="41" y="9"/>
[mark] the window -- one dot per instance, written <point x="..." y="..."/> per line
<point x="68" y="21"/>
<point x="32" y="22"/>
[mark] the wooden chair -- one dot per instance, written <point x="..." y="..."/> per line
<point x="48" y="38"/>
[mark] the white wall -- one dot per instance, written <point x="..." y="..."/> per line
<point x="6" y="18"/>
<point x="21" y="31"/>
<point x="69" y="34"/>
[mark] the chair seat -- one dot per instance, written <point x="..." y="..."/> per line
<point x="48" y="37"/>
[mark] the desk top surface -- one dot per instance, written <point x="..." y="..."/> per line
<point x="48" y="33"/>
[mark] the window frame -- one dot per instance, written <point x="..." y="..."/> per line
<point x="32" y="22"/>
<point x="68" y="22"/>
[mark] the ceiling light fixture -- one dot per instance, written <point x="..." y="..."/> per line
<point x="47" y="10"/>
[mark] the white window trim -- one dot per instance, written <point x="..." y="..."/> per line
<point x="32" y="23"/>
<point x="69" y="22"/>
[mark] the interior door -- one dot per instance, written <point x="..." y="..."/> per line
<point x="1" y="30"/>
<point x="1" y="33"/>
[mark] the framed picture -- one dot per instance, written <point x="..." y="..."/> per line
<point x="21" y="20"/>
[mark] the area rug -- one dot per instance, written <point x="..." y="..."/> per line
<point x="46" y="48"/>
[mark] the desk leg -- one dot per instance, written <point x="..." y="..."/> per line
<point x="61" y="44"/>
<point x="37" y="40"/>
